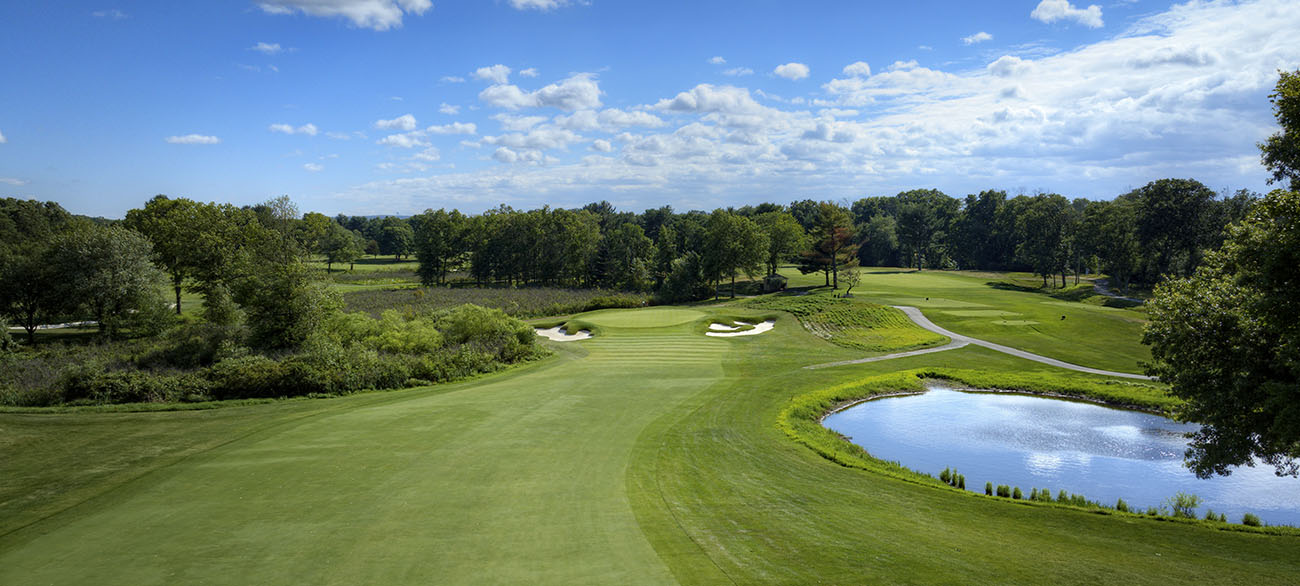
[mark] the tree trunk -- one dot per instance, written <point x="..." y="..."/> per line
<point x="178" y="300"/>
<point x="733" y="285"/>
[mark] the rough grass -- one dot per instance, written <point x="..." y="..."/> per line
<point x="852" y="323"/>
<point x="522" y="302"/>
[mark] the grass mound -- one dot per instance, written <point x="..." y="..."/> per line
<point x="852" y="323"/>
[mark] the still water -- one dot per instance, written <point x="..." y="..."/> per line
<point x="1035" y="442"/>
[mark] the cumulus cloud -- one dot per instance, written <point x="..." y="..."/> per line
<point x="379" y="15"/>
<point x="792" y="71"/>
<point x="193" y="139"/>
<point x="601" y="145"/>
<point x="978" y="37"/>
<point x="2" y="138"/>
<point x="313" y="167"/>
<point x="449" y="109"/>
<point x="505" y="155"/>
<point x="307" y="129"/>
<point x="429" y="155"/>
<point x="858" y="69"/>
<point x="407" y="140"/>
<point x="530" y="72"/>
<point x="1008" y="66"/>
<point x="738" y="71"/>
<point x="578" y="92"/>
<point x="542" y="5"/>
<point x="266" y="48"/>
<point x="454" y="128"/>
<point x="1050" y="11"/>
<point x="452" y="79"/>
<point x="405" y="122"/>
<point x="494" y="73"/>
<point x="717" y="61"/>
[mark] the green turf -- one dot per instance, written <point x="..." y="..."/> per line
<point x="648" y="454"/>
<point x="984" y="306"/>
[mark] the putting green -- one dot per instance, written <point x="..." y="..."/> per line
<point x="655" y="317"/>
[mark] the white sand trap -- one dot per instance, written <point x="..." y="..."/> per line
<point x="717" y="327"/>
<point x="758" y="329"/>
<point x="558" y="334"/>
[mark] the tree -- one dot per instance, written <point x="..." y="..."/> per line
<point x="1110" y="233"/>
<point x="172" y="227"/>
<point x="785" y="237"/>
<point x="109" y="271"/>
<point x="439" y="243"/>
<point x="1227" y="342"/>
<point x="878" y="242"/>
<point x="29" y="288"/>
<point x="1281" y="152"/>
<point x="833" y="246"/>
<point x="398" y="237"/>
<point x="339" y="244"/>
<point x="630" y="254"/>
<point x="1042" y="228"/>
<point x="1174" y="224"/>
<point x="735" y="244"/>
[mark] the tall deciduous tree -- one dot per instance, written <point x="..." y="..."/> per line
<point x="1227" y="341"/>
<point x="109" y="271"/>
<point x="785" y="237"/>
<point x="735" y="244"/>
<point x="1281" y="152"/>
<point x="1042" y="229"/>
<point x="439" y="243"/>
<point x="172" y="227"/>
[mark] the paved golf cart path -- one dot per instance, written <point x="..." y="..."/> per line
<point x="959" y="341"/>
<point x="519" y="478"/>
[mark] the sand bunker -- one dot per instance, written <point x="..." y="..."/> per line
<point x="726" y="328"/>
<point x="558" y="334"/>
<point x="757" y="329"/>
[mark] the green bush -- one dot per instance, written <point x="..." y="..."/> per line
<point x="1183" y="505"/>
<point x="1017" y="494"/>
<point x="945" y="476"/>
<point x="1251" y="520"/>
<point x="1121" y="506"/>
<point x="1004" y="491"/>
<point x="988" y="488"/>
<point x="488" y="330"/>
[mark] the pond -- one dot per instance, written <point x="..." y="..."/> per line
<point x="1035" y="442"/>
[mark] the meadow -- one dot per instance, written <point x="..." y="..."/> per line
<point x="649" y="454"/>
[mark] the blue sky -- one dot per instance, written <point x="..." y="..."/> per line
<point x="394" y="106"/>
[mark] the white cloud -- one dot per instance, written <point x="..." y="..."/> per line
<point x="505" y="155"/>
<point x="449" y="109"/>
<point x="405" y="122"/>
<point x="978" y="37"/>
<point x="407" y="140"/>
<point x="12" y="181"/>
<point x="717" y="61"/>
<point x="530" y="72"/>
<point x="454" y="128"/>
<point x="536" y="139"/>
<point x="601" y="145"/>
<point x="339" y="135"/>
<point x="858" y="69"/>
<point x="111" y="14"/>
<point x="494" y="73"/>
<point x="379" y="15"/>
<point x="267" y="48"/>
<point x="578" y="92"/>
<point x="1050" y="11"/>
<point x="542" y="5"/>
<point x="792" y="71"/>
<point x="1008" y="66"/>
<point x="738" y="71"/>
<point x="193" y="139"/>
<point x="511" y="123"/>
<point x="308" y="129"/>
<point x="313" y="167"/>
<point x="452" y="79"/>
<point x="430" y="154"/>
<point x="613" y="117"/>
<point x="2" y="138"/>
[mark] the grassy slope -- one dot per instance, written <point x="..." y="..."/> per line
<point x="513" y="478"/>
<point x="656" y="452"/>
<point x="971" y="304"/>
<point x="852" y="323"/>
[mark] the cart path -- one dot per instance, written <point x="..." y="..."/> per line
<point x="959" y="341"/>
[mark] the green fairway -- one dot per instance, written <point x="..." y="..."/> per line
<point x="981" y="306"/>
<point x="648" y="454"/>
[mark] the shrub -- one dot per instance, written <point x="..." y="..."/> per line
<point x="1183" y="505"/>
<point x="488" y="330"/>
<point x="1251" y="520"/>
<point x="1063" y="496"/>
<point x="961" y="481"/>
<point x="946" y="476"/>
<point x="1004" y="491"/>
<point x="988" y="488"/>
<point x="1121" y="506"/>
<point x="1017" y="494"/>
<point x="1152" y="511"/>
<point x="1045" y="495"/>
